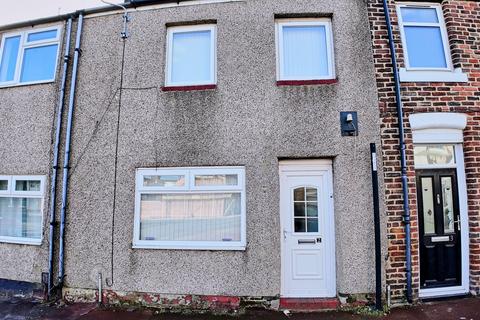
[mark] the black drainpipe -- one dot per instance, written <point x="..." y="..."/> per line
<point x="53" y="182"/>
<point x="403" y="161"/>
<point x="66" y="163"/>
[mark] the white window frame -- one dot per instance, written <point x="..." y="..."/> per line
<point x="12" y="193"/>
<point x="418" y="74"/>
<point x="213" y="57"/>
<point x="327" y="23"/>
<point x="26" y="45"/>
<point x="440" y="24"/>
<point x="190" y="173"/>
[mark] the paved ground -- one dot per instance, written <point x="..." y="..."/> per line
<point x="458" y="309"/>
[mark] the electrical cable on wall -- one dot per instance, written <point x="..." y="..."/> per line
<point x="124" y="35"/>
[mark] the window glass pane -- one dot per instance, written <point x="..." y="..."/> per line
<point x="312" y="225"/>
<point x="190" y="217"/>
<point x="419" y="15"/>
<point x="300" y="225"/>
<point x="3" y="185"/>
<point x="425" y="47"/>
<point x="435" y="154"/>
<point x="312" y="209"/>
<point x="43" y="35"/>
<point x="299" y="209"/>
<point x="311" y="194"/>
<point x="299" y="194"/>
<point x="39" y="63"/>
<point x="9" y="59"/>
<point x="27" y="185"/>
<point x="305" y="209"/>
<point x="191" y="57"/>
<point x="164" y="181"/>
<point x="428" y="209"/>
<point x="217" y="180"/>
<point x="448" y="210"/>
<point x="20" y="217"/>
<point x="304" y="52"/>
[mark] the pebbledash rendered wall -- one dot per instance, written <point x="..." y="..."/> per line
<point x="462" y="20"/>
<point x="26" y="132"/>
<point x="247" y="120"/>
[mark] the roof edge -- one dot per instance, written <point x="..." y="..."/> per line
<point x="73" y="14"/>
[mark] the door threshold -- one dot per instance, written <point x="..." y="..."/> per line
<point x="309" y="304"/>
<point x="442" y="292"/>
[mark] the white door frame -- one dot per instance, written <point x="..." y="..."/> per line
<point x="447" y="128"/>
<point x="295" y="167"/>
<point x="464" y="234"/>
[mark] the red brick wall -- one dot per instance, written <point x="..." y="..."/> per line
<point x="463" y="26"/>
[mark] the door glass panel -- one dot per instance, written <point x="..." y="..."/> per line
<point x="299" y="209"/>
<point x="300" y="225"/>
<point x="434" y="154"/>
<point x="305" y="209"/>
<point x="311" y="194"/>
<point x="299" y="194"/>
<point x="428" y="206"/>
<point x="448" y="210"/>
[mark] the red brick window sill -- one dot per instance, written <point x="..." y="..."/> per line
<point x="305" y="82"/>
<point x="190" y="88"/>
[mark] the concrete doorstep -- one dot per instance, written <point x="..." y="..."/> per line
<point x="25" y="309"/>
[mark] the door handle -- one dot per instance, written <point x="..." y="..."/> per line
<point x="459" y="224"/>
<point x="284" y="234"/>
<point x="307" y="241"/>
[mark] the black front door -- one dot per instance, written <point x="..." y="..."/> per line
<point x="439" y="228"/>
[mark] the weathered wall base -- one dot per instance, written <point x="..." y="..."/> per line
<point x="170" y="302"/>
<point x="209" y="303"/>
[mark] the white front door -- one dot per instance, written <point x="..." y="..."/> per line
<point x="307" y="229"/>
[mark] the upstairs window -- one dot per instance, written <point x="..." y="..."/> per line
<point x="424" y="37"/>
<point x="21" y="209"/>
<point x="304" y="49"/>
<point x="29" y="57"/>
<point x="191" y="55"/>
<point x="190" y="208"/>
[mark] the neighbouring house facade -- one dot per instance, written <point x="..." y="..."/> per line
<point x="207" y="151"/>
<point x="437" y="48"/>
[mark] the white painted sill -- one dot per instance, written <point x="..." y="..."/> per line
<point x="21" y="84"/>
<point x="12" y="240"/>
<point x="185" y="246"/>
<point x="432" y="76"/>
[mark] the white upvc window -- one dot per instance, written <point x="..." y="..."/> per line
<point x="305" y="49"/>
<point x="191" y="55"/>
<point x="425" y="44"/>
<point x="21" y="209"/>
<point x="29" y="57"/>
<point x="197" y="208"/>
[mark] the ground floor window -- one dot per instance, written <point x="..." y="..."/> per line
<point x="21" y="204"/>
<point x="190" y="208"/>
